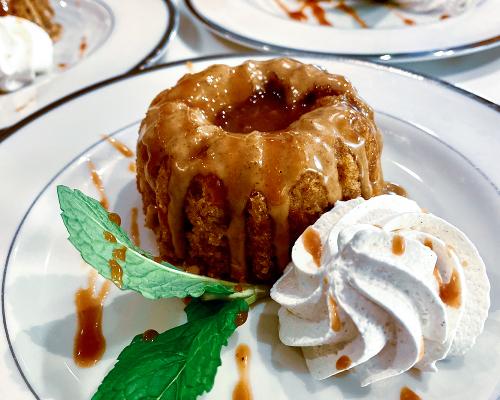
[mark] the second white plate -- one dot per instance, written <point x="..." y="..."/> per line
<point x="352" y="29"/>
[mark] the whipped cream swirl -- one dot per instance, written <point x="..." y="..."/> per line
<point x="26" y="50"/>
<point x="382" y="286"/>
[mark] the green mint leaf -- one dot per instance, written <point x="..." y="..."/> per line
<point x="198" y="309"/>
<point x="101" y="242"/>
<point x="179" y="364"/>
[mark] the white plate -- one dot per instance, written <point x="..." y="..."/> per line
<point x="440" y="143"/>
<point x="264" y="25"/>
<point x="100" y="39"/>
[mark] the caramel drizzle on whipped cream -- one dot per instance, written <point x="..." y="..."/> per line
<point x="268" y="162"/>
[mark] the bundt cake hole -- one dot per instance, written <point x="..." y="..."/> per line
<point x="266" y="110"/>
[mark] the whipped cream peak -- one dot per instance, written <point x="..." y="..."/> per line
<point x="381" y="286"/>
<point x="25" y="51"/>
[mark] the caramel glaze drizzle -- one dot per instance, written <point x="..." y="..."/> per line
<point x="131" y="167"/>
<point x="393" y="188"/>
<point x="398" y="245"/>
<point x="408" y="394"/>
<point x="343" y="362"/>
<point x="115" y="218"/>
<point x="89" y="343"/>
<point x="450" y="292"/>
<point x="97" y="181"/>
<point x="242" y="390"/>
<point x="83" y="46"/>
<point x="256" y="160"/>
<point x="351" y="12"/>
<point x="150" y="335"/>
<point x="134" y="226"/>
<point x="312" y="244"/>
<point x="120" y="146"/>
<point x="336" y="323"/>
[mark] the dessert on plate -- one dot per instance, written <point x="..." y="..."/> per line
<point x="233" y="163"/>
<point x="242" y="169"/>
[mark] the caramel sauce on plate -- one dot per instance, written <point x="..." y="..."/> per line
<point x="97" y="181"/>
<point x="428" y="243"/>
<point x="334" y="315"/>
<point x="444" y="16"/>
<point x="83" y="46"/>
<point x="408" y="394"/>
<point x="121" y="147"/>
<point x="134" y="226"/>
<point x="318" y="12"/>
<point x="352" y="12"/>
<point x="89" y="343"/>
<point x="398" y="245"/>
<point x="312" y="244"/>
<point x="241" y="318"/>
<point x="392" y="188"/>
<point x="343" y="362"/>
<point x="450" y="293"/>
<point x="242" y="390"/>
<point x="132" y="167"/>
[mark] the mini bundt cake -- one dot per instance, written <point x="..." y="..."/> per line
<point x="233" y="163"/>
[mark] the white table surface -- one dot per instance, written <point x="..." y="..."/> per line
<point x="478" y="73"/>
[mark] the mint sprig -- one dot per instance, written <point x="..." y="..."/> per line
<point x="179" y="364"/>
<point x="99" y="240"/>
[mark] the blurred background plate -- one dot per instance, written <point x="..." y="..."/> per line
<point x="351" y="28"/>
<point x="91" y="49"/>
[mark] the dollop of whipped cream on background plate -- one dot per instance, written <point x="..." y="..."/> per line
<point x="384" y="287"/>
<point x="452" y="7"/>
<point x="25" y="51"/>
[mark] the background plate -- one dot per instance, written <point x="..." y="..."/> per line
<point x="91" y="49"/>
<point x="263" y="24"/>
<point x="439" y="160"/>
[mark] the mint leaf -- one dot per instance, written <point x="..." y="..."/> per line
<point x="179" y="364"/>
<point x="103" y="244"/>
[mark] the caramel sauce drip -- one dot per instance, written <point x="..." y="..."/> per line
<point x="242" y="390"/>
<point x="336" y="323"/>
<point x="241" y="318"/>
<point x="83" y="46"/>
<point x="298" y="15"/>
<point x="342" y="6"/>
<point x="398" y="245"/>
<point x="428" y="243"/>
<point x="343" y="362"/>
<point x="271" y="162"/>
<point x="115" y="218"/>
<point x="109" y="237"/>
<point x="97" y="181"/>
<point x="312" y="244"/>
<point x="116" y="272"/>
<point x="89" y="343"/>
<point x="392" y="188"/>
<point x="121" y="147"/>
<point x="120" y="253"/>
<point x="444" y="16"/>
<point x="134" y="226"/>
<point x="150" y="335"/>
<point x="408" y="394"/>
<point x="318" y="12"/>
<point x="450" y="293"/>
<point x="132" y="167"/>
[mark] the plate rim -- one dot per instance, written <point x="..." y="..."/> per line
<point x="9" y="131"/>
<point x="435" y="54"/>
